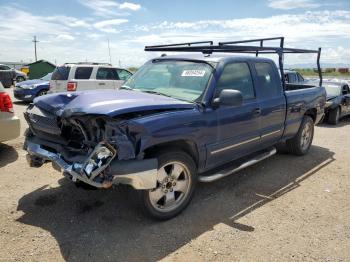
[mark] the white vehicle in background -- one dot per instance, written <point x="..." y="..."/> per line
<point x="87" y="76"/>
<point x="9" y="123"/>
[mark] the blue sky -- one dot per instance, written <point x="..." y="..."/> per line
<point x="78" y="30"/>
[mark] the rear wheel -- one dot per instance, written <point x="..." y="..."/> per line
<point x="300" y="144"/>
<point x="333" y="116"/>
<point x="20" y="79"/>
<point x="176" y="182"/>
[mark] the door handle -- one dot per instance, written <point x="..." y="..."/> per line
<point x="101" y="84"/>
<point x="257" y="112"/>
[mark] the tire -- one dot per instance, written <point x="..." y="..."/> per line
<point x="333" y="116"/>
<point x="179" y="186"/>
<point x="42" y="93"/>
<point x="20" y="79"/>
<point x="300" y="144"/>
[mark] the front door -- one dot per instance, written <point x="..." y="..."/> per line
<point x="237" y="127"/>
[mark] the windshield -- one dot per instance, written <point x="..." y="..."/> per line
<point x="178" y="79"/>
<point x="332" y="89"/>
<point x="47" y="77"/>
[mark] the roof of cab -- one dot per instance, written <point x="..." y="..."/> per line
<point x="221" y="57"/>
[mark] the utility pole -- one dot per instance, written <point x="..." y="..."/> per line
<point x="35" y="41"/>
<point x="109" y="52"/>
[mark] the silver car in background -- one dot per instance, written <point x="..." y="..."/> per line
<point x="9" y="123"/>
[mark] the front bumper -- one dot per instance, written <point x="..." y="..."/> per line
<point x="10" y="127"/>
<point x="140" y="174"/>
<point x="23" y="95"/>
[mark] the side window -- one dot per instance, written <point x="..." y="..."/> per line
<point x="123" y="74"/>
<point x="83" y="73"/>
<point x="292" y="78"/>
<point x="269" y="83"/>
<point x="300" y="78"/>
<point x="236" y="76"/>
<point x="107" y="74"/>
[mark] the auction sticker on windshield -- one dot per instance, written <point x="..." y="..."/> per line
<point x="199" y="73"/>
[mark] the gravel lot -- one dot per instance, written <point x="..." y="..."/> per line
<point x="285" y="208"/>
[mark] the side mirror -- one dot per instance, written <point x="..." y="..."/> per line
<point x="228" y="97"/>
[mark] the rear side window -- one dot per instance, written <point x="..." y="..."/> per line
<point x="236" y="76"/>
<point x="107" y="74"/>
<point x="292" y="78"/>
<point x="300" y="78"/>
<point x="123" y="74"/>
<point x="60" y="73"/>
<point x="83" y="73"/>
<point x="269" y="84"/>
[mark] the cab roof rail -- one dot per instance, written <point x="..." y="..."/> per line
<point x="208" y="47"/>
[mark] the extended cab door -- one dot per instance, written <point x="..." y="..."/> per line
<point x="237" y="127"/>
<point x="272" y="102"/>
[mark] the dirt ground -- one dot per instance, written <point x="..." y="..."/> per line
<point x="284" y="208"/>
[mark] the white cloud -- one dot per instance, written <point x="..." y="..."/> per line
<point x="109" y="8"/>
<point x="108" y="26"/>
<point x="329" y="29"/>
<point x="292" y="4"/>
<point x="65" y="37"/>
<point x="130" y="6"/>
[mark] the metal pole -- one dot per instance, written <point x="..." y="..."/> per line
<point x="35" y="41"/>
<point x="319" y="66"/>
<point x="109" y="52"/>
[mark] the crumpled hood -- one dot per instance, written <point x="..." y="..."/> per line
<point x="106" y="102"/>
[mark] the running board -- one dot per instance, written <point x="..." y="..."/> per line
<point x="230" y="171"/>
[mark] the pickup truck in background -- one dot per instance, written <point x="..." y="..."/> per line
<point x="178" y="120"/>
<point x="294" y="77"/>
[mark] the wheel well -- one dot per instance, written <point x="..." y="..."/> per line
<point x="184" y="145"/>
<point x="312" y="112"/>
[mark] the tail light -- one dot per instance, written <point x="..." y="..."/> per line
<point x="5" y="103"/>
<point x="72" y="86"/>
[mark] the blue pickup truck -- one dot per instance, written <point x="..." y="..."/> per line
<point x="178" y="120"/>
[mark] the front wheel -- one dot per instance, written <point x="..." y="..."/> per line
<point x="300" y="144"/>
<point x="42" y="93"/>
<point x="176" y="182"/>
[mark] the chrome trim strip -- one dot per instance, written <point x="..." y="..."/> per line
<point x="235" y="145"/>
<point x="271" y="133"/>
<point x="244" y="142"/>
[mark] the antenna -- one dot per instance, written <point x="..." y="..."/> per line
<point x="109" y="52"/>
<point x="35" y="41"/>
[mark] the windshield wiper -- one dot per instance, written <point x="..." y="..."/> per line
<point x="155" y="92"/>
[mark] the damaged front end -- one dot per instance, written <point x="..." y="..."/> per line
<point x="96" y="150"/>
